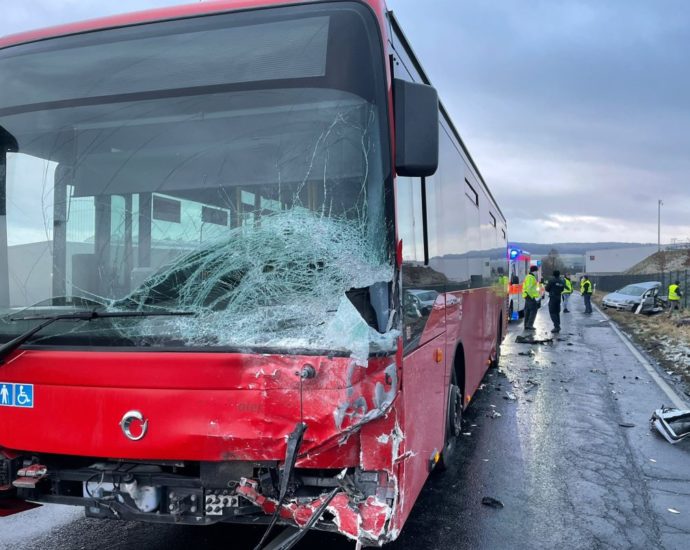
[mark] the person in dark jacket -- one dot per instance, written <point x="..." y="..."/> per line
<point x="555" y="288"/>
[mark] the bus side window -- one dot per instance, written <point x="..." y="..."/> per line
<point x="415" y="302"/>
<point x="409" y="216"/>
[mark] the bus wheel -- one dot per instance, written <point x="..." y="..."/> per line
<point x="453" y="424"/>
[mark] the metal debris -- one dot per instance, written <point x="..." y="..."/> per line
<point x="492" y="502"/>
<point x="673" y="424"/>
<point x="673" y="510"/>
<point x="626" y="424"/>
<point x="494" y="414"/>
<point x="510" y="396"/>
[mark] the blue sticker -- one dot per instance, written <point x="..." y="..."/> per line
<point x="23" y="395"/>
<point x="6" y="394"/>
<point x="16" y="395"/>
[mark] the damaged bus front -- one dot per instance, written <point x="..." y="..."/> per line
<point x="200" y="308"/>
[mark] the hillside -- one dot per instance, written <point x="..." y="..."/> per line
<point x="572" y="248"/>
<point x="668" y="260"/>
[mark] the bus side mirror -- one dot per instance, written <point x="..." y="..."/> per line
<point x="416" y="129"/>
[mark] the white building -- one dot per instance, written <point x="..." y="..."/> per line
<point x="615" y="260"/>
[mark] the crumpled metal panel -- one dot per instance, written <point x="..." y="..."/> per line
<point x="366" y="522"/>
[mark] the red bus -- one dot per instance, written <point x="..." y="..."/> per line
<point x="248" y="269"/>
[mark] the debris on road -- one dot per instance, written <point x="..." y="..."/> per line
<point x="494" y="503"/>
<point x="673" y="424"/>
<point x="494" y="414"/>
<point x="673" y="511"/>
<point x="520" y="339"/>
<point x="530" y="385"/>
<point x="626" y="424"/>
<point x="510" y="396"/>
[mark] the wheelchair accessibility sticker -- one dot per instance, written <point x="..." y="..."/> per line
<point x="16" y="395"/>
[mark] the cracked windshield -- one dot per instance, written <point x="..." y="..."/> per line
<point x="246" y="190"/>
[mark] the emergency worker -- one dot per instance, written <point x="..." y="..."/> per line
<point x="586" y="291"/>
<point x="555" y="288"/>
<point x="674" y="296"/>
<point x="530" y="292"/>
<point x="567" y="291"/>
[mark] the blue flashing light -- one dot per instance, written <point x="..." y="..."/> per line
<point x="514" y="253"/>
<point x="539" y="262"/>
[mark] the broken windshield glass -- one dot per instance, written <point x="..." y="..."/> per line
<point x="256" y="203"/>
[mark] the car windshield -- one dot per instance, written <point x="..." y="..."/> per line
<point x="246" y="186"/>
<point x="427" y="296"/>
<point x="632" y="290"/>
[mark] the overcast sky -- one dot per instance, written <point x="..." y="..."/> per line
<point x="577" y="112"/>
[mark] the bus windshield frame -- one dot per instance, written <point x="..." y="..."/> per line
<point x="236" y="166"/>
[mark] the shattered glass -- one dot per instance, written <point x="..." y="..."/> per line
<point x="278" y="284"/>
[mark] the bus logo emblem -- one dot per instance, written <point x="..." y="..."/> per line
<point x="134" y="425"/>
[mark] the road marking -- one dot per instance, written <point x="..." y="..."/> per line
<point x="663" y="385"/>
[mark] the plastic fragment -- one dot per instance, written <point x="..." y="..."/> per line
<point x="492" y="502"/>
<point x="673" y="511"/>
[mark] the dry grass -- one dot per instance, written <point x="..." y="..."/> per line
<point x="659" y="335"/>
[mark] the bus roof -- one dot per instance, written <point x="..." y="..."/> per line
<point x="149" y="16"/>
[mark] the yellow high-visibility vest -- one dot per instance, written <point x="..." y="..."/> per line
<point x="586" y="287"/>
<point x="568" y="287"/>
<point x="529" y="287"/>
<point x="673" y="293"/>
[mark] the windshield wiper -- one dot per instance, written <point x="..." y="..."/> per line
<point x="9" y="347"/>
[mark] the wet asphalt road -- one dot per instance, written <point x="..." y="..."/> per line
<point x="568" y="474"/>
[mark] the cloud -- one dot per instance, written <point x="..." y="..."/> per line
<point x="569" y="108"/>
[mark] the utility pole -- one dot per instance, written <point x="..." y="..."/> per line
<point x="659" y="226"/>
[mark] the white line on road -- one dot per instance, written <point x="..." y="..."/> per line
<point x="672" y="395"/>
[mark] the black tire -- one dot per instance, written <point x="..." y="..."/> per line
<point x="453" y="424"/>
<point x="510" y="311"/>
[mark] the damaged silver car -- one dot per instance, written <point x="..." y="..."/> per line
<point x="637" y="297"/>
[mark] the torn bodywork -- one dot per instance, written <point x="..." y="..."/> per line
<point x="673" y="424"/>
